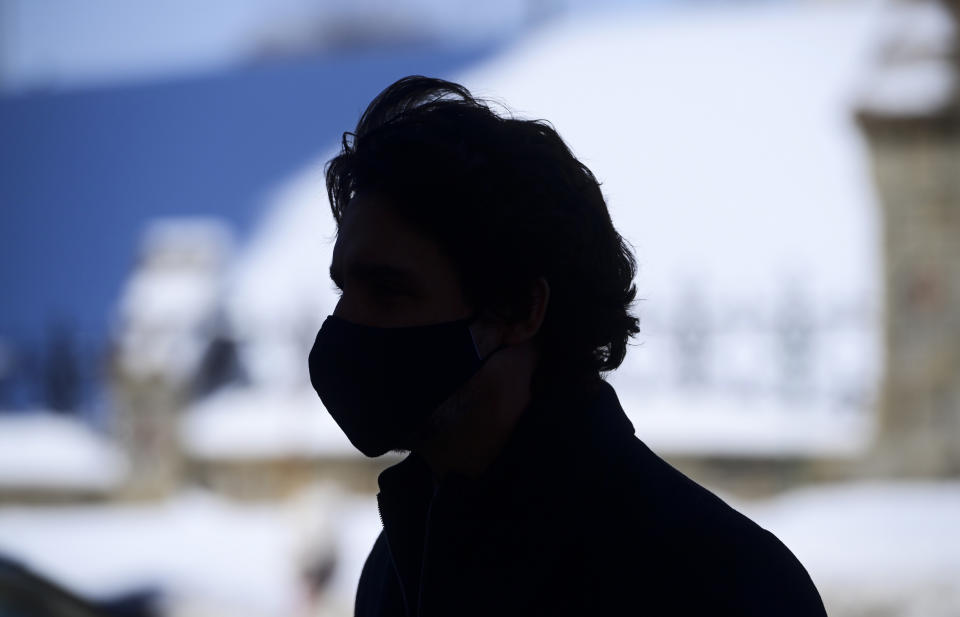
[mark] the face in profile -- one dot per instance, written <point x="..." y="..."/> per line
<point x="390" y="273"/>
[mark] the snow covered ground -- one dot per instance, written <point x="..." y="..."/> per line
<point x="199" y="549"/>
<point x="872" y="548"/>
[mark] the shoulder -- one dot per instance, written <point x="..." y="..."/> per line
<point x="670" y="530"/>
<point x="774" y="580"/>
<point x="375" y="579"/>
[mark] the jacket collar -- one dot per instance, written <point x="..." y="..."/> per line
<point x="533" y="463"/>
<point x="560" y="419"/>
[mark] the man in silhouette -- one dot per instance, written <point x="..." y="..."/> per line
<point x="484" y="292"/>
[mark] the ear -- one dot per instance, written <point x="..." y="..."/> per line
<point x="527" y="327"/>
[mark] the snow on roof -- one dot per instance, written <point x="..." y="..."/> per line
<point x="279" y="288"/>
<point x="914" y="88"/>
<point x="171" y="301"/>
<point x="720" y="134"/>
<point x="203" y="241"/>
<point x="745" y="427"/>
<point x="725" y="143"/>
<point x="726" y="147"/>
<point x="723" y="138"/>
<point x="241" y="423"/>
<point x="47" y="451"/>
<point x="916" y="71"/>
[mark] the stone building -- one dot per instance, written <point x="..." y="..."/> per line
<point x="772" y="381"/>
<point x="911" y="116"/>
<point x="166" y="327"/>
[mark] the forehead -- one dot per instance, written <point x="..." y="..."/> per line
<point x="373" y="233"/>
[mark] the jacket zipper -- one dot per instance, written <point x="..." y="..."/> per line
<point x="396" y="570"/>
<point x="423" y="557"/>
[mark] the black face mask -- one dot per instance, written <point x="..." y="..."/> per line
<point x="382" y="384"/>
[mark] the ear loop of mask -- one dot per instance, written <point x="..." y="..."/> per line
<point x="483" y="360"/>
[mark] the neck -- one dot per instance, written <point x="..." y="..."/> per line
<point x="471" y="428"/>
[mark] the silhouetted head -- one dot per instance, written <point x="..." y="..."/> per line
<point x="475" y="210"/>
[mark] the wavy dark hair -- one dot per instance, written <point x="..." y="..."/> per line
<point x="508" y="202"/>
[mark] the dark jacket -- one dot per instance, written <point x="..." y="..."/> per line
<point x="575" y="517"/>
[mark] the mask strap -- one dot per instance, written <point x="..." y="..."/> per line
<point x="469" y="320"/>
<point x="503" y="345"/>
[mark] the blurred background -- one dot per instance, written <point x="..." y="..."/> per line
<point x="787" y="171"/>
